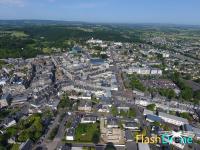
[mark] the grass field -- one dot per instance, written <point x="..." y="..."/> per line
<point x="86" y="132"/>
<point x="19" y="34"/>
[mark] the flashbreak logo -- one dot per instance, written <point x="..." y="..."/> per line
<point x="166" y="138"/>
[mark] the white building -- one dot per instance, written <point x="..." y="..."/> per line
<point x="165" y="55"/>
<point x="70" y="134"/>
<point x="93" y="41"/>
<point x="147" y="112"/>
<point x="9" y="123"/>
<point x="131" y="126"/>
<point x="89" y="119"/>
<point x="172" y="119"/>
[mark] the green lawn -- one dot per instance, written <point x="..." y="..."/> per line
<point x="87" y="132"/>
<point x="19" y="34"/>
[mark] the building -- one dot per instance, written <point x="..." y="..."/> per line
<point x="123" y="108"/>
<point x="138" y="93"/>
<point x="110" y="131"/>
<point x="142" y="146"/>
<point x="131" y="125"/>
<point x="197" y="132"/>
<point x="70" y="134"/>
<point x="19" y="99"/>
<point x="147" y="112"/>
<point x="129" y="136"/>
<point x="4" y="100"/>
<point x="153" y="118"/>
<point x="172" y="119"/>
<point x="85" y="106"/>
<point x="112" y="123"/>
<point x="89" y="119"/>
<point x="9" y="122"/>
<point x="93" y="41"/>
<point x="144" y="71"/>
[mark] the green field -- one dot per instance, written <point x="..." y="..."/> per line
<point x="87" y="132"/>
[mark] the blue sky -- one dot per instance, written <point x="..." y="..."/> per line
<point x="116" y="11"/>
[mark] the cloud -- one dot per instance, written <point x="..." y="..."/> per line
<point x="12" y="2"/>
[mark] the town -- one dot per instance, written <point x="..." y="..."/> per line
<point x="102" y="95"/>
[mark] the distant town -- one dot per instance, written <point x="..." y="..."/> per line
<point x="101" y="94"/>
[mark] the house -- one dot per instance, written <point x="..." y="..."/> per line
<point x="89" y="119"/>
<point x="112" y="123"/>
<point x="9" y="122"/>
<point x="129" y="136"/>
<point x="197" y="132"/>
<point x="131" y="125"/>
<point x="85" y="106"/>
<point x="142" y="146"/>
<point x="19" y="99"/>
<point x="53" y="103"/>
<point x="12" y="140"/>
<point x="4" y="100"/>
<point x="188" y="130"/>
<point x="103" y="108"/>
<point x="93" y="41"/>
<point x="172" y="119"/>
<point x="147" y="112"/>
<point x="138" y="93"/>
<point x="123" y="107"/>
<point x="153" y="118"/>
<point x="70" y="134"/>
<point x="156" y="72"/>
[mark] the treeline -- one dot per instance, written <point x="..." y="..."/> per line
<point x="64" y="37"/>
<point x="59" y="33"/>
<point x="186" y="92"/>
<point x="13" y="47"/>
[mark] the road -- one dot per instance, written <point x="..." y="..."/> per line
<point x="61" y="132"/>
<point x="43" y="141"/>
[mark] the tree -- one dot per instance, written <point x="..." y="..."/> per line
<point x="151" y="107"/>
<point x="131" y="113"/>
<point x="114" y="111"/>
<point x="96" y="137"/>
<point x="123" y="113"/>
<point x="65" y="101"/>
<point x="186" y="116"/>
<point x="157" y="124"/>
<point x="197" y="94"/>
<point x="187" y="93"/>
<point x="110" y="146"/>
<point x="171" y="94"/>
<point x="23" y="136"/>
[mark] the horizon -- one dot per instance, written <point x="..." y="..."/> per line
<point x="105" y="11"/>
<point x="103" y="23"/>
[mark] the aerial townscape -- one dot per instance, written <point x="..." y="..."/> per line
<point x="78" y="86"/>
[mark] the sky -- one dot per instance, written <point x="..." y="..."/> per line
<point x="105" y="11"/>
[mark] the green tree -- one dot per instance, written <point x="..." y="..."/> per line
<point x="96" y="137"/>
<point x="197" y="95"/>
<point x="65" y="102"/>
<point x="187" y="93"/>
<point x="131" y="113"/>
<point x="186" y="116"/>
<point x="24" y="135"/>
<point x="151" y="107"/>
<point x="114" y="111"/>
<point x="110" y="146"/>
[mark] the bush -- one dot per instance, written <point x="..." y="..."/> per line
<point x="53" y="133"/>
<point x="151" y="107"/>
